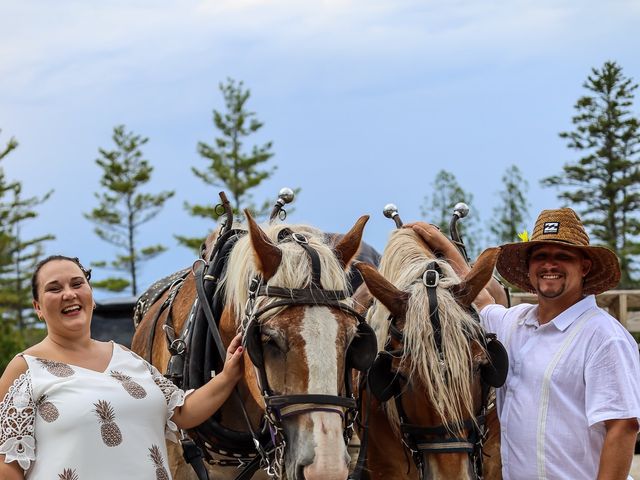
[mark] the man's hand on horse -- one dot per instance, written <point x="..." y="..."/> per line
<point x="234" y="363"/>
<point x="433" y="237"/>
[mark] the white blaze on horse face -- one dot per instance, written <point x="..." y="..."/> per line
<point x="320" y="333"/>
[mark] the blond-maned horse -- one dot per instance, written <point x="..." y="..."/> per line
<point x="299" y="351"/>
<point x="428" y="412"/>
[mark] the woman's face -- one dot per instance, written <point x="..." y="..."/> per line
<point x="65" y="300"/>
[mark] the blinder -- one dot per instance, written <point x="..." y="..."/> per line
<point x="363" y="348"/>
<point x="383" y="381"/>
<point x="495" y="372"/>
<point x="253" y="344"/>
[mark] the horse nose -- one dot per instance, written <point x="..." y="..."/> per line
<point x="322" y="471"/>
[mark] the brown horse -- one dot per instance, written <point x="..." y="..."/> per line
<point x="427" y="414"/>
<point x="299" y="339"/>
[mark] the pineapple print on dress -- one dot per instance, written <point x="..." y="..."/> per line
<point x="58" y="369"/>
<point x="47" y="410"/>
<point x="156" y="458"/>
<point x="111" y="435"/>
<point x="134" y="389"/>
<point x="68" y="474"/>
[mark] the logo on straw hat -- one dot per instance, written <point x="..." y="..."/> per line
<point x="550" y="227"/>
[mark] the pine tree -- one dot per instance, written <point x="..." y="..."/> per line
<point x="123" y="208"/>
<point x="18" y="257"/>
<point x="231" y="166"/>
<point x="510" y="216"/>
<point x="10" y="341"/>
<point x="26" y="253"/>
<point x="439" y="208"/>
<point x="604" y="184"/>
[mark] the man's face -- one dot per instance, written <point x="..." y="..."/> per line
<point x="556" y="271"/>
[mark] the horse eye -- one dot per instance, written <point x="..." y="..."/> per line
<point x="272" y="341"/>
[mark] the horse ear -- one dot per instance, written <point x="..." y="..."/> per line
<point x="394" y="299"/>
<point x="480" y="274"/>
<point x="349" y="244"/>
<point x="268" y="256"/>
<point x="362" y="299"/>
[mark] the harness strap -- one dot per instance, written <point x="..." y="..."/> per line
<point x="362" y="454"/>
<point x="301" y="240"/>
<point x="301" y="408"/>
<point x="446" y="446"/>
<point x="279" y="402"/>
<point x="431" y="278"/>
<point x="174" y="289"/>
<point x="193" y="456"/>
<point x="198" y="272"/>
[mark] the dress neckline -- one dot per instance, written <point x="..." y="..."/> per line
<point x="106" y="370"/>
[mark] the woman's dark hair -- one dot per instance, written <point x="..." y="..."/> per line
<point x="41" y="263"/>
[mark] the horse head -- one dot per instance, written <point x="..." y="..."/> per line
<point x="286" y="290"/>
<point x="433" y="355"/>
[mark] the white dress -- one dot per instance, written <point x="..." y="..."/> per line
<point x="65" y="422"/>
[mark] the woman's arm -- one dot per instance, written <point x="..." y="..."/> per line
<point x="206" y="400"/>
<point x="16" y="367"/>
<point x="10" y="471"/>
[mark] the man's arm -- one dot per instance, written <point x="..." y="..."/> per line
<point x="618" y="447"/>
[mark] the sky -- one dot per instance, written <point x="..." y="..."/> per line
<point x="364" y="100"/>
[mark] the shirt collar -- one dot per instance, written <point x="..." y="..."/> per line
<point x="566" y="318"/>
<point x="571" y="314"/>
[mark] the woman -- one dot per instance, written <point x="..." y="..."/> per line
<point x="88" y="410"/>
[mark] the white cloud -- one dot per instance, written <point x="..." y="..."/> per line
<point x="93" y="43"/>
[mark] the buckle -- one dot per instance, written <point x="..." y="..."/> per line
<point x="299" y="238"/>
<point x="431" y="278"/>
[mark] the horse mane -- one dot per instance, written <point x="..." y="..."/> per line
<point x="448" y="385"/>
<point x="294" y="270"/>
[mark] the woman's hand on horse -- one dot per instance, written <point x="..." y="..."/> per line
<point x="234" y="363"/>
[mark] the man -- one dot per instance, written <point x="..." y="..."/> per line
<point x="570" y="406"/>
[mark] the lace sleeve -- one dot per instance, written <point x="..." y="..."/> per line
<point x="17" y="418"/>
<point x="173" y="395"/>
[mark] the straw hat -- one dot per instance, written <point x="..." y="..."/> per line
<point x="563" y="227"/>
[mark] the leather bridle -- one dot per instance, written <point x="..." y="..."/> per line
<point x="360" y="353"/>
<point x="422" y="440"/>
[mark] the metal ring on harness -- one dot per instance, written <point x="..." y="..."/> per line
<point x="299" y="238"/>
<point x="198" y="260"/>
<point x="219" y="209"/>
<point x="178" y="346"/>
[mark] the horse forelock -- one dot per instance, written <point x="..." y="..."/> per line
<point x="448" y="386"/>
<point x="294" y="270"/>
